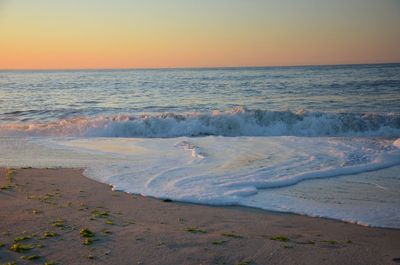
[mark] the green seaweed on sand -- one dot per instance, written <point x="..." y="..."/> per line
<point x="20" y="248"/>
<point x="109" y="222"/>
<point x="2" y="245"/>
<point x="195" y="230"/>
<point x="231" y="234"/>
<point x="22" y="238"/>
<point x="244" y="262"/>
<point x="279" y="238"/>
<point x="87" y="233"/>
<point x="349" y="241"/>
<point x="50" y="263"/>
<point x="36" y="211"/>
<point x="10" y="173"/>
<point x="58" y="223"/>
<point x="33" y="257"/>
<point x="48" y="234"/>
<point x="106" y="231"/>
<point x="100" y="214"/>
<point x="88" y="241"/>
<point x="218" y="242"/>
<point x="47" y="198"/>
<point x="6" y="187"/>
<point x="90" y="256"/>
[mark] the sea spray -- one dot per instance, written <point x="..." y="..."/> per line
<point x="235" y="122"/>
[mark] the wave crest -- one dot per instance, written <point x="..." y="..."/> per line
<point x="235" y="122"/>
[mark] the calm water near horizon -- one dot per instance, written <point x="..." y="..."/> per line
<point x="223" y="136"/>
<point x="52" y="95"/>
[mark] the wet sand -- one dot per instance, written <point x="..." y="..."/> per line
<point x="46" y="211"/>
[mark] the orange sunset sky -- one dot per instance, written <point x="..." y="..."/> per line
<point x="64" y="34"/>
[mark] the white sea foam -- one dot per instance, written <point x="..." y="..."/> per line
<point x="235" y="122"/>
<point x="220" y="170"/>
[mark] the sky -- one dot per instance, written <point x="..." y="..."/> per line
<point x="81" y="34"/>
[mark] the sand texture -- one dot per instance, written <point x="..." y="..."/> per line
<point x="44" y="214"/>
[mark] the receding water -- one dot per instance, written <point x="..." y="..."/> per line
<point x="272" y="138"/>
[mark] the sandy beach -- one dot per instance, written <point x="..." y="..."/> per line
<point x="200" y="132"/>
<point x="59" y="216"/>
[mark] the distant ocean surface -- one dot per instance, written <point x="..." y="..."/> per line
<point x="315" y="140"/>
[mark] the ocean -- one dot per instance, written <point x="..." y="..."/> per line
<point x="314" y="140"/>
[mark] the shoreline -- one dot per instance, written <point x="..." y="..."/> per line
<point x="132" y="229"/>
<point x="251" y="209"/>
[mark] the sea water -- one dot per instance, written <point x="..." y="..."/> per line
<point x="317" y="140"/>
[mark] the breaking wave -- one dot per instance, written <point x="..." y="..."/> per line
<point x="235" y="122"/>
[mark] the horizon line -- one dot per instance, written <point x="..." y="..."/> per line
<point x="191" y="67"/>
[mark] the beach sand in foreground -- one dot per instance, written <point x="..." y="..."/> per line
<point x="60" y="216"/>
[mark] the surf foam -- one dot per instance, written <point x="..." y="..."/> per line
<point x="235" y="122"/>
<point x="222" y="170"/>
